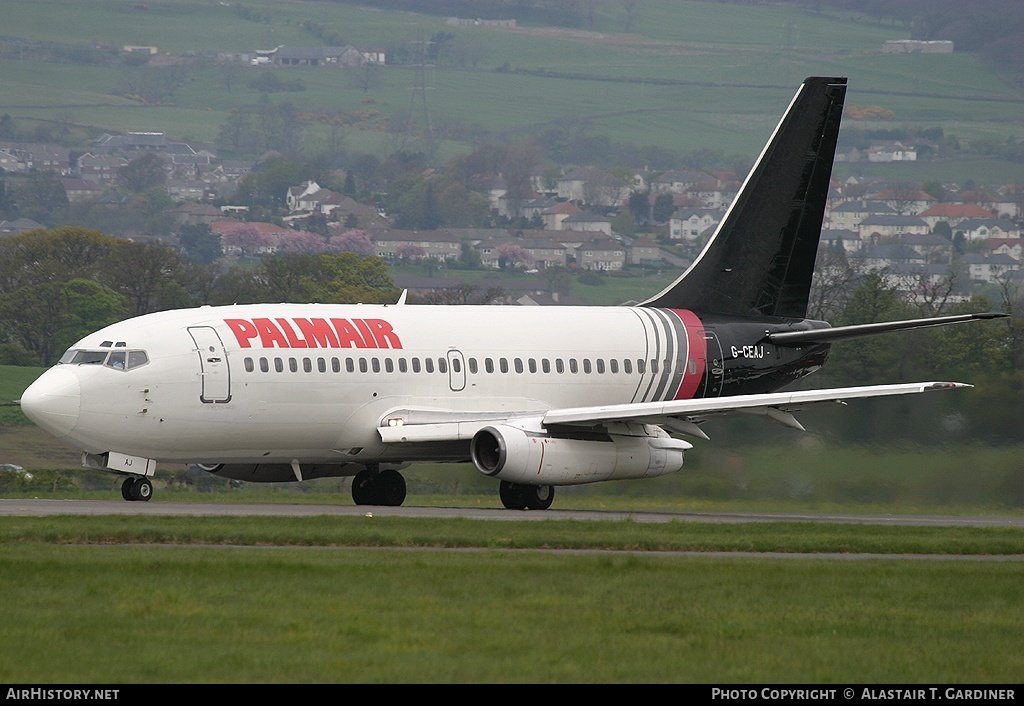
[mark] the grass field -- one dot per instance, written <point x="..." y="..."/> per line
<point x="149" y="614"/>
<point x="689" y="75"/>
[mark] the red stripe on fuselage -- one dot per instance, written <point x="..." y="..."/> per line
<point x="696" y="352"/>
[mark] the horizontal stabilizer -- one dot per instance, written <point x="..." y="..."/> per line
<point x="842" y="333"/>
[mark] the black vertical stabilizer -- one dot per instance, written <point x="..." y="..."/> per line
<point x="761" y="259"/>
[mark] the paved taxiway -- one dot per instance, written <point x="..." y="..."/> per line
<point x="43" y="508"/>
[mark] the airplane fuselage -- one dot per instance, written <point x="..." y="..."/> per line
<point x="313" y="383"/>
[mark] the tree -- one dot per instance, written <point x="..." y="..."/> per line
<point x="237" y="134"/>
<point x="874" y="359"/>
<point x="56" y="255"/>
<point x="629" y="8"/>
<point x="39" y="196"/>
<point x="143" y="173"/>
<point x="45" y="319"/>
<point x="462" y="294"/>
<point x="200" y="243"/>
<point x="148" y="276"/>
<point x="245" y="238"/>
<point x="301" y="241"/>
<point x="365" y="77"/>
<point x="333" y="278"/>
<point x="639" y="206"/>
<point x="834" y="279"/>
<point x="511" y="255"/>
<point x="354" y="241"/>
<point x="664" y="207"/>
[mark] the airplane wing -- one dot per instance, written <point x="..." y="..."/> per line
<point x="680" y="416"/>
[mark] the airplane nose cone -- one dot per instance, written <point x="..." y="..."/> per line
<point x="53" y="401"/>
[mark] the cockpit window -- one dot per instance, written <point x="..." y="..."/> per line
<point x="89" y="358"/>
<point x="137" y="358"/>
<point x="118" y="360"/>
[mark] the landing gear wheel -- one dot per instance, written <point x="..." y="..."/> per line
<point x="142" y="489"/>
<point x="391" y="488"/>
<point x="525" y="497"/>
<point x="362" y="487"/>
<point x="136" y="488"/>
<point x="373" y="487"/>
<point x="538" y="497"/>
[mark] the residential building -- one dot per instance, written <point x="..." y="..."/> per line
<point x="394" y="245"/>
<point x="691" y="223"/>
<point x="874" y="227"/>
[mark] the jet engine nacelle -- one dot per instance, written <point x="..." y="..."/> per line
<point x="528" y="457"/>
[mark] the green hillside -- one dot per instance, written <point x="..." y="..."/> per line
<point x="689" y="75"/>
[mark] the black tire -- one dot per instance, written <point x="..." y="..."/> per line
<point x="126" y="488"/>
<point x="364" y="488"/>
<point x="512" y="496"/>
<point x="538" y="497"/>
<point x="390" y="488"/>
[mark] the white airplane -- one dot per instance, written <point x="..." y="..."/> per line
<point x="535" y="397"/>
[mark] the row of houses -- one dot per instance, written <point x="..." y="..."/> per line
<point x="346" y="56"/>
<point x="496" y="248"/>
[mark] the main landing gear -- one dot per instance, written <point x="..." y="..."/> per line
<point x="526" y="497"/>
<point x="373" y="486"/>
<point x="136" y="488"/>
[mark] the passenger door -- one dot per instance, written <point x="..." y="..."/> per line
<point x="213" y="365"/>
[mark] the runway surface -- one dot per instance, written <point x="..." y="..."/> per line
<point x="45" y="508"/>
